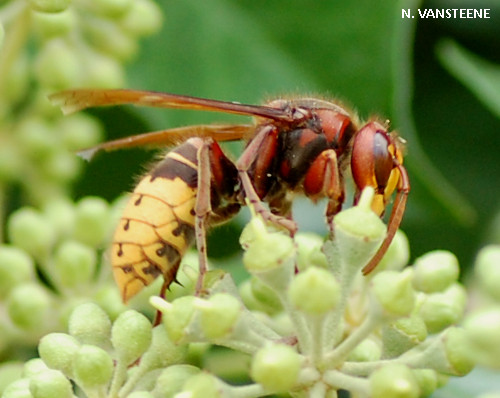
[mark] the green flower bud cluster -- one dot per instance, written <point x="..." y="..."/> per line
<point x="48" y="46"/>
<point x="482" y="324"/>
<point x="97" y="356"/>
<point x="51" y="264"/>
<point x="306" y="323"/>
<point x="314" y="325"/>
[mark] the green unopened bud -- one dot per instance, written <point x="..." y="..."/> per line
<point x="483" y="331"/>
<point x="143" y="19"/>
<point x="393" y="293"/>
<point x="265" y="294"/>
<point x="50" y="25"/>
<point x="435" y="271"/>
<point x="131" y="335"/>
<point x="402" y="335"/>
<point x="487" y="270"/>
<point x="49" y="5"/>
<point x="18" y="389"/>
<point x="366" y="351"/>
<point x="176" y="316"/>
<point x="79" y="131"/>
<point x="397" y="255"/>
<point x="172" y="379"/>
<point x="61" y="214"/>
<point x="58" y="65"/>
<point x="29" y="307"/>
<point x="58" y="350"/>
<point x="16" y="267"/>
<point x="89" y="324"/>
<point x="276" y="367"/>
<point x="33" y="367"/>
<point x="440" y="310"/>
<point x="163" y="351"/>
<point x="202" y="385"/>
<point x="265" y="250"/>
<point x="91" y="221"/>
<point x="29" y="230"/>
<point x="427" y="380"/>
<point x="219" y="315"/>
<point x="309" y="251"/>
<point x="394" y="381"/>
<point x="74" y="264"/>
<point x="458" y="351"/>
<point x="359" y="232"/>
<point x="49" y="384"/>
<point x="269" y="255"/>
<point x="314" y="291"/>
<point x="92" y="366"/>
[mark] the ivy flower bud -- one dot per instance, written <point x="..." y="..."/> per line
<point x="50" y="25"/>
<point x="483" y="332"/>
<point x="143" y="19"/>
<point x="487" y="271"/>
<point x="276" y="367"/>
<point x="50" y="383"/>
<point x="131" y="335"/>
<point x="366" y="351"/>
<point x="171" y="379"/>
<point x="92" y="366"/>
<point x="440" y="310"/>
<point x="402" y="335"/>
<point x="176" y="316"/>
<point x="394" y="381"/>
<point x="16" y="267"/>
<point x="458" y="351"/>
<point x="427" y="380"/>
<point x="18" y="389"/>
<point x="435" y="271"/>
<point x="202" y="385"/>
<point x="33" y="367"/>
<point x="58" y="350"/>
<point x="309" y="251"/>
<point x="219" y="315"/>
<point x="359" y="231"/>
<point x="314" y="291"/>
<point x="392" y="292"/>
<point x="89" y="324"/>
<point x="163" y="351"/>
<point x="29" y="307"/>
<point x="74" y="264"/>
<point x="30" y="231"/>
<point x="268" y="255"/>
<point x="92" y="218"/>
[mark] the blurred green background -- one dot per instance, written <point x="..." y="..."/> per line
<point x="362" y="52"/>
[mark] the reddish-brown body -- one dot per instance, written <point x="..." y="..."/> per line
<point x="299" y="146"/>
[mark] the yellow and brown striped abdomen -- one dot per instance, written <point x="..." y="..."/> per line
<point x="157" y="225"/>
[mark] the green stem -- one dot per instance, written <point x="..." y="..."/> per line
<point x="119" y="378"/>
<point x="339" y="380"/>
<point x="334" y="358"/>
<point x="249" y="391"/>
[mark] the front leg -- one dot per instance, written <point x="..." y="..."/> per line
<point x="323" y="180"/>
<point x="260" y="154"/>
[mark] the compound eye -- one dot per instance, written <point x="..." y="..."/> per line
<point x="372" y="157"/>
<point x="382" y="159"/>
